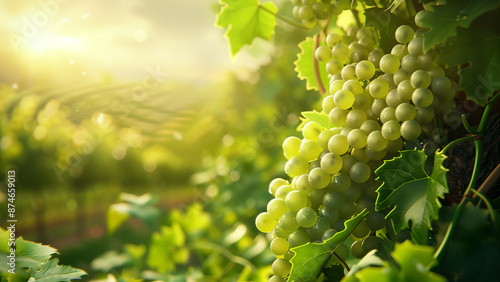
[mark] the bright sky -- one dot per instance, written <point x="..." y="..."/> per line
<point x="90" y="40"/>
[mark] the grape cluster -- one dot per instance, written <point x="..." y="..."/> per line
<point x="310" y="11"/>
<point x="376" y="102"/>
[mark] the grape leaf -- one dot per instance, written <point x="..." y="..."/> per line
<point x="141" y="207"/>
<point x="310" y="258"/>
<point x="319" y="117"/>
<point x="413" y="193"/>
<point x="444" y="20"/>
<point x="386" y="24"/>
<point x="246" y="20"/>
<point x="478" y="46"/>
<point x="304" y="65"/>
<point x="51" y="271"/>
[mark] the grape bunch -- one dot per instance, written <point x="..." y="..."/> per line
<point x="310" y="11"/>
<point x="377" y="102"/>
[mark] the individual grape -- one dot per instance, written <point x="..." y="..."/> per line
<point x="357" y="250"/>
<point x="306" y="217"/>
<point x="435" y="71"/>
<point x="362" y="230"/>
<point x="347" y="161"/>
<point x="333" y="39"/>
<point x="331" y="163"/>
<point x="422" y="97"/>
<point x="338" y="117"/>
<point x="333" y="200"/>
<point x="281" y="267"/>
<point x="410" y="63"/>
<point x="296" y="13"/>
<point x="420" y="79"/>
<point x="353" y="193"/>
<point x="295" y="200"/>
<point x="341" y="182"/>
<point x="424" y="115"/>
<point x="306" y="13"/>
<point x="342" y="4"/>
<point x="276" y="278"/>
<point x="355" y="118"/>
<point x="328" y="234"/>
<point x="343" y="99"/>
<point x="279" y="246"/>
<point x="318" y="229"/>
<point x="283" y="191"/>
<point x="377" y="106"/>
<point x="379" y="88"/>
<point x="354" y="86"/>
<point x="291" y="147"/>
<point x="387" y="114"/>
<point x="375" y="155"/>
<point x="357" y="138"/>
<point x="391" y="130"/>
<point x="375" y="56"/>
<point x="359" y="155"/>
<point x="410" y="129"/>
<point x="349" y="72"/>
<point x="336" y="85"/>
<point x="399" y="51"/>
<point x="318" y="178"/>
<point x="339" y="225"/>
<point x="298" y="237"/>
<point x="280" y="232"/>
<point x="288" y="222"/>
<point x="275" y="184"/>
<point x="359" y="55"/>
<point x="389" y="63"/>
<point x="375" y="220"/>
<point x="415" y="47"/>
<point x="324" y="137"/>
<point x="330" y="215"/>
<point x="347" y="210"/>
<point x="333" y="66"/>
<point x="296" y="166"/>
<point x="404" y="34"/>
<point x="419" y="16"/>
<point x="365" y="70"/>
<point x="393" y="99"/>
<point x="405" y="111"/>
<point x="441" y="85"/>
<point x="276" y="208"/>
<point x="311" y="130"/>
<point x="362" y="101"/>
<point x="308" y="2"/>
<point x="427" y="60"/>
<point x="338" y="144"/>
<point x="394" y="146"/>
<point x="376" y="141"/>
<point x="340" y="52"/>
<point x="264" y="222"/>
<point x="302" y="184"/>
<point x="369" y="126"/>
<point x="359" y="172"/>
<point x="400" y="75"/>
<point x="316" y="197"/>
<point x="309" y="150"/>
<point x="323" y="53"/>
<point x="371" y="243"/>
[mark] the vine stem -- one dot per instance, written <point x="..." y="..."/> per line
<point x="456" y="141"/>
<point x="285" y="19"/>
<point x="342" y="261"/>
<point x="486" y="202"/>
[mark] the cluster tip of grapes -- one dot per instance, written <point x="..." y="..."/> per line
<point x="377" y="102"/>
<point x="310" y="11"/>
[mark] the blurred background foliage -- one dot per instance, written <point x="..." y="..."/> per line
<point x="157" y="178"/>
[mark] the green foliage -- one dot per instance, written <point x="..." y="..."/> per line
<point x="304" y="65"/>
<point x="413" y="193"/>
<point x="50" y="271"/>
<point x="167" y="248"/>
<point x="319" y="117"/>
<point x="386" y="24"/>
<point x="140" y="207"/>
<point x="245" y="20"/>
<point x="310" y="258"/>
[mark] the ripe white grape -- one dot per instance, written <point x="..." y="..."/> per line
<point x="338" y="144"/>
<point x="405" y="111"/>
<point x="275" y="184"/>
<point x="296" y="166"/>
<point x="343" y="99"/>
<point x="365" y="70"/>
<point x="355" y="118"/>
<point x="291" y="147"/>
<point x="279" y="246"/>
<point x="349" y="72"/>
<point x="362" y="101"/>
<point x="389" y="63"/>
<point x="387" y="114"/>
<point x="422" y="97"/>
<point x="340" y="52"/>
<point x="306" y="217"/>
<point x="331" y="163"/>
<point x="376" y="141"/>
<point x="359" y="172"/>
<point x="357" y="138"/>
<point x="391" y="130"/>
<point x="309" y="150"/>
<point x="333" y="66"/>
<point x="379" y="88"/>
<point x="328" y="104"/>
<point x="410" y="129"/>
<point x="276" y="208"/>
<point x="264" y="222"/>
<point x="415" y="47"/>
<point x="404" y="34"/>
<point x="338" y="116"/>
<point x="323" y="53"/>
<point x="333" y="39"/>
<point x="281" y="267"/>
<point x="420" y="79"/>
<point x="318" y="178"/>
<point x="295" y="200"/>
<point x="353" y="85"/>
<point x="311" y="130"/>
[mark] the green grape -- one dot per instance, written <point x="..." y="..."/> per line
<point x="338" y="116"/>
<point x="364" y="203"/>
<point x="296" y="166"/>
<point x="355" y="118"/>
<point x="338" y="144"/>
<point x="362" y="101"/>
<point x="340" y="52"/>
<point x="341" y="182"/>
<point x="375" y="155"/>
<point x="387" y="114"/>
<point x="354" y="86"/>
<point x="291" y="147"/>
<point x="369" y="126"/>
<point x="283" y="191"/>
<point x="328" y="234"/>
<point x="309" y="150"/>
<point x="264" y="222"/>
<point x="316" y="197"/>
<point x="349" y="72"/>
<point x="324" y="137"/>
<point x="276" y="278"/>
<point x="347" y="162"/>
<point x="328" y="104"/>
<point x="306" y="13"/>
<point x="410" y="63"/>
<point x="389" y="78"/>
<point x="298" y="237"/>
<point x="343" y="99"/>
<point x="377" y="106"/>
<point x="435" y="71"/>
<point x="295" y="12"/>
<point x="371" y="243"/>
<point x="399" y="51"/>
<point x="405" y="111"/>
<point x="281" y="267"/>
<point x="357" y="250"/>
<point x="347" y="210"/>
<point x="422" y="97"/>
<point x="297" y="2"/>
<point x="331" y="163"/>
<point x="357" y="138"/>
<point x="336" y="85"/>
<point x="308" y="2"/>
<point x="420" y="79"/>
<point x="393" y="99"/>
<point x="333" y="39"/>
<point x="323" y="53"/>
<point x="311" y="130"/>
<point x="333" y="200"/>
<point x="295" y="200"/>
<point x="415" y="47"/>
<point x="362" y="230"/>
<point x="279" y="246"/>
<point x="345" y="131"/>
<point x="339" y="225"/>
<point x="389" y="63"/>
<point x="288" y="222"/>
<point x="275" y="184"/>
<point x="379" y="88"/>
<point x="342" y="4"/>
<point x="289" y="255"/>
<point x="303" y="185"/>
<point x="410" y="129"/>
<point x="359" y="172"/>
<point x="334" y="66"/>
<point x="428" y="59"/>
<point x="365" y="70"/>
<point x="404" y="34"/>
<point x="359" y="55"/>
<point x="391" y="130"/>
<point x="419" y="16"/>
<point x="318" y="229"/>
<point x="318" y="178"/>
<point x="306" y="217"/>
<point x="375" y="220"/>
<point x="441" y="85"/>
<point x="359" y="155"/>
<point x="276" y="208"/>
<point x="375" y="56"/>
<point x="400" y="75"/>
<point x="405" y="90"/>
<point x="395" y="145"/>
<point x="280" y="232"/>
<point x="353" y="193"/>
<point x="330" y="215"/>
<point x="376" y="141"/>
<point x="424" y="115"/>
